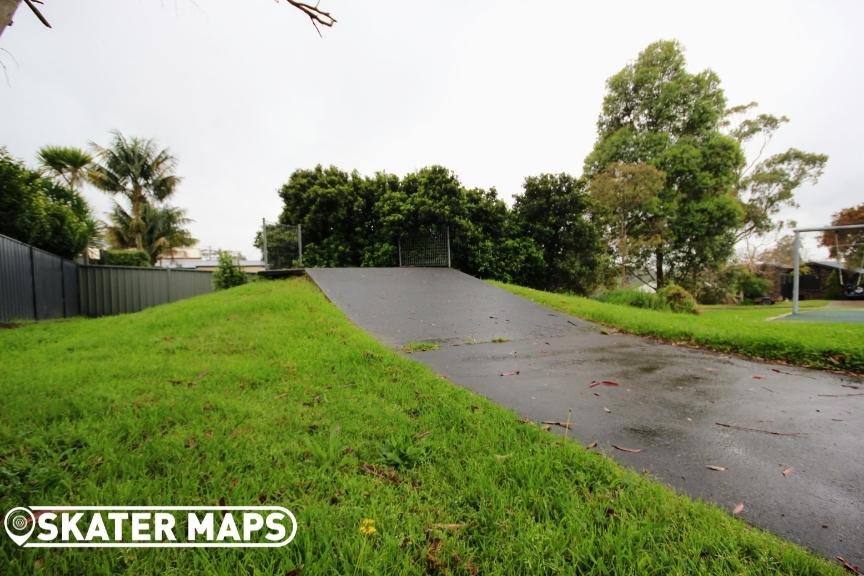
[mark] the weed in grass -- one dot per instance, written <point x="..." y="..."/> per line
<point x="403" y="451"/>
<point x="412" y="347"/>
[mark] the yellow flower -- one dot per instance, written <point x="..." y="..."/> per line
<point x="367" y="527"/>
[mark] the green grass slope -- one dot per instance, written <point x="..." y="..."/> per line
<point x="268" y="394"/>
<point x="738" y="329"/>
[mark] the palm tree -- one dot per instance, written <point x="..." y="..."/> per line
<point x="138" y="170"/>
<point x="164" y="228"/>
<point x="65" y="163"/>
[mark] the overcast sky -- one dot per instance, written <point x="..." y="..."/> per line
<point x="243" y="93"/>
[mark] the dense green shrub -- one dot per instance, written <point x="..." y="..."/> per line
<point x="672" y="298"/>
<point x="678" y="299"/>
<point x="228" y="274"/>
<point x="752" y="286"/>
<point x="127" y="257"/>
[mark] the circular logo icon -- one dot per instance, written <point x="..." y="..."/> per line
<point x="19" y="523"/>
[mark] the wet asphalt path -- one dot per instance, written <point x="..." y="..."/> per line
<point x="668" y="403"/>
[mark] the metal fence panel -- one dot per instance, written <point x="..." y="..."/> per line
<point x="70" y="289"/>
<point x="37" y="285"/>
<point x="47" y="284"/>
<point x="107" y="290"/>
<point x="425" y="247"/>
<point x="281" y="245"/>
<point x="16" y="288"/>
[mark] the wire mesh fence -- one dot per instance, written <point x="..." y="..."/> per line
<point x="281" y="245"/>
<point x="425" y="247"/>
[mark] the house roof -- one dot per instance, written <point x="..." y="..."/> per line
<point x="836" y="266"/>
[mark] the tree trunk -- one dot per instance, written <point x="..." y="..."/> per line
<point x="7" y="10"/>
<point x="660" y="280"/>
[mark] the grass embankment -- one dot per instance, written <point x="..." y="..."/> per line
<point x="268" y="394"/>
<point x="737" y="329"/>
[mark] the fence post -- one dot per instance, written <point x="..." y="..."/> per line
<point x="300" y="244"/>
<point x="264" y="240"/>
<point x="448" y="245"/>
<point x="168" y="282"/>
<point x="63" y="288"/>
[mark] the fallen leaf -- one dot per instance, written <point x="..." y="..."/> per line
<point x="565" y="425"/>
<point x="787" y="471"/>
<point x="452" y="526"/>
<point x="380" y="472"/>
<point x="607" y="410"/>
<point x="738" y="508"/>
<point x="596" y="394"/>
<point x="596" y="383"/>
<point x="513" y="373"/>
<point x="758" y="377"/>
<point x="624" y="449"/>
<point x="591" y="446"/>
<point x="716" y="468"/>
<point x="782" y="372"/>
<point x="849" y="566"/>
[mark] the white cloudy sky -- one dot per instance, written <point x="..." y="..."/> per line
<point x="245" y="92"/>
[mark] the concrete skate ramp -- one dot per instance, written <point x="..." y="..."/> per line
<point x="669" y="401"/>
<point x="442" y="305"/>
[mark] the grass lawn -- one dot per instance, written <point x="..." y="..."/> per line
<point x="738" y="329"/>
<point x="268" y="394"/>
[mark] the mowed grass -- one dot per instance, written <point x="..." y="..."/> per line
<point x="737" y="329"/>
<point x="268" y="394"/>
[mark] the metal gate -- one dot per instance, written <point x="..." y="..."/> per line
<point x="425" y="247"/>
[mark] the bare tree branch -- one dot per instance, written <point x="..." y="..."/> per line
<point x="32" y="5"/>
<point x="316" y="15"/>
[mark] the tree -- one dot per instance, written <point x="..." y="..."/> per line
<point x="846" y="245"/>
<point x="65" y="163"/>
<point x="627" y="196"/>
<point x="138" y="170"/>
<point x="765" y="186"/>
<point x="162" y="228"/>
<point x="656" y="112"/>
<point x="39" y="211"/>
<point x="228" y="274"/>
<point x="553" y="212"/>
<point x="333" y="208"/>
